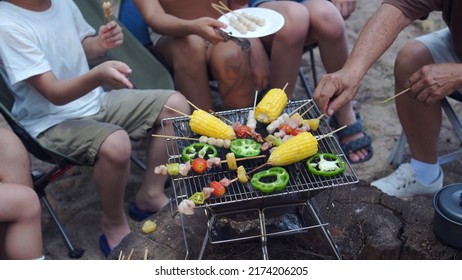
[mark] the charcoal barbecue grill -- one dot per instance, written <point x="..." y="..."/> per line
<point x="244" y="213"/>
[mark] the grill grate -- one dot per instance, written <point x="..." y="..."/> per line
<point x="301" y="180"/>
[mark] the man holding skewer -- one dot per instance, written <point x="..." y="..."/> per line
<point x="430" y="66"/>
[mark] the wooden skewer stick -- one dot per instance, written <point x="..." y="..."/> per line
<point x="396" y="95"/>
<point x="321" y="116"/>
<point x="175" y="110"/>
<point x="120" y="255"/>
<point x="221" y="117"/>
<point x="330" y="133"/>
<point x="190" y="103"/>
<point x="130" y="254"/>
<point x="219" y="8"/>
<point x="145" y="253"/>
<point x="244" y="158"/>
<point x="284" y="88"/>
<point x="174" y="137"/>
<point x="255" y="99"/>
<point x="311" y="107"/>
<point x="301" y="106"/>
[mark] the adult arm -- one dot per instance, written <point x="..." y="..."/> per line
<point x="167" y="24"/>
<point x="336" y="89"/>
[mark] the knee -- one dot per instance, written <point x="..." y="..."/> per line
<point x="116" y="148"/>
<point x="409" y="59"/>
<point x="297" y="22"/>
<point x="29" y="206"/>
<point x="189" y="52"/>
<point x="178" y="102"/>
<point x="326" y="20"/>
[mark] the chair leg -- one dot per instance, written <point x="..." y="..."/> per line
<point x="455" y="122"/>
<point x="304" y="80"/>
<point x="396" y="154"/>
<point x="40" y="182"/>
<point x="138" y="162"/>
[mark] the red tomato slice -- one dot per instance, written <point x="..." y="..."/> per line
<point x="218" y="188"/>
<point x="286" y="128"/>
<point x="199" y="165"/>
<point x="296" y="132"/>
<point x="243" y="131"/>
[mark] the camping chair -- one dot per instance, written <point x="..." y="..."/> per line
<point x="301" y="74"/>
<point x="147" y="73"/>
<point x="396" y="154"/>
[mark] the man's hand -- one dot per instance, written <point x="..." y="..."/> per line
<point x="335" y="90"/>
<point x="433" y="82"/>
<point x="111" y="35"/>
<point x="346" y="7"/>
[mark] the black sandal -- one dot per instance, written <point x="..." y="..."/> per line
<point x="364" y="142"/>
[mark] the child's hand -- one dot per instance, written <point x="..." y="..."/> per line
<point x="115" y="74"/>
<point x="111" y="35"/>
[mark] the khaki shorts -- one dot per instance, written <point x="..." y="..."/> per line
<point x="134" y="111"/>
<point x="440" y="45"/>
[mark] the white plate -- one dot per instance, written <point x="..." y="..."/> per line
<point x="273" y="22"/>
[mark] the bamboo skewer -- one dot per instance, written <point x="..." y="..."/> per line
<point x="255" y="99"/>
<point x="244" y="158"/>
<point x="190" y="103"/>
<point x="145" y="253"/>
<point x="221" y="117"/>
<point x="285" y="86"/>
<point x="311" y="107"/>
<point x="174" y="137"/>
<point x="130" y="254"/>
<point x="175" y="110"/>
<point x="301" y="106"/>
<point x="396" y="95"/>
<point x="319" y="137"/>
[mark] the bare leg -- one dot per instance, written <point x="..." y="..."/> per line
<point x="20" y="209"/>
<point x="421" y="122"/>
<point x="187" y="57"/>
<point x="151" y="196"/>
<point x="111" y="173"/>
<point x="20" y="212"/>
<point x="230" y="66"/>
<point x="327" y="29"/>
<point x="286" y="46"/>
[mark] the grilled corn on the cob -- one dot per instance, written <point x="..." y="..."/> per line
<point x="206" y="124"/>
<point x="293" y="150"/>
<point x="271" y="106"/>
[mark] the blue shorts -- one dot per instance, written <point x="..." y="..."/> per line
<point x="255" y="3"/>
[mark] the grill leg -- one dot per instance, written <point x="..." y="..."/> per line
<point x="313" y="209"/>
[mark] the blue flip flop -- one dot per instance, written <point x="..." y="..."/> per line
<point x="137" y="214"/>
<point x="104" y="245"/>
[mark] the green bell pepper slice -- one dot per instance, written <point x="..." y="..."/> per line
<point x="325" y="164"/>
<point x="245" y="147"/>
<point x="198" y="198"/>
<point x="259" y="181"/>
<point x="198" y="150"/>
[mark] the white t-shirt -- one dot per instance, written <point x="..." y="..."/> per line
<point x="33" y="43"/>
